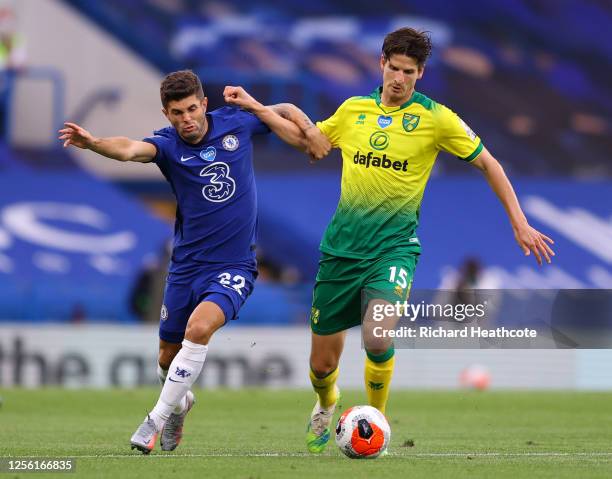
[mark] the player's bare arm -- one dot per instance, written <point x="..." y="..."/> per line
<point x="528" y="238"/>
<point x="319" y="145"/>
<point x="118" y="148"/>
<point x="287" y="130"/>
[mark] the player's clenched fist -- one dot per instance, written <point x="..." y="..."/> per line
<point x="236" y="95"/>
<point x="318" y="144"/>
<point x="73" y="134"/>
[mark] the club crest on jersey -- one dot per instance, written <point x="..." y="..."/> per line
<point x="384" y="121"/>
<point x="209" y="154"/>
<point x="230" y="142"/>
<point x="410" y="122"/>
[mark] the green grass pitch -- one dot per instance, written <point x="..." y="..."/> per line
<point x="260" y="434"/>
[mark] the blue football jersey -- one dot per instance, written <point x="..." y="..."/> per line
<point x="214" y="185"/>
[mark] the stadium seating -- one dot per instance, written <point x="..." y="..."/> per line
<point x="71" y="245"/>
<point x="539" y="102"/>
<point x="499" y="79"/>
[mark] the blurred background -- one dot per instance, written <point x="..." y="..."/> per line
<point x="84" y="240"/>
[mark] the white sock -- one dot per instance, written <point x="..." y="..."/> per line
<point x="184" y="370"/>
<point x="161" y="375"/>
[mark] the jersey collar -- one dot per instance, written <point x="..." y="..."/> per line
<point x="378" y="92"/>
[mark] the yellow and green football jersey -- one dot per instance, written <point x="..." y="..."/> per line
<point x="388" y="154"/>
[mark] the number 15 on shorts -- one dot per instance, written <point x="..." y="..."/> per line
<point x="398" y="278"/>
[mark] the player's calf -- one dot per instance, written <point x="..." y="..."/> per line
<point x="378" y="374"/>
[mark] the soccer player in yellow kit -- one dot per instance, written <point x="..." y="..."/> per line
<point x="389" y="142"/>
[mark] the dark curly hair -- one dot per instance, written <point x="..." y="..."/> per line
<point x="178" y="85"/>
<point x="410" y="42"/>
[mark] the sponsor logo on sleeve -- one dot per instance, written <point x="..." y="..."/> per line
<point x="468" y="130"/>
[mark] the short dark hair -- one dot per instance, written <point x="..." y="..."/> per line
<point x="409" y="42"/>
<point x="178" y="85"/>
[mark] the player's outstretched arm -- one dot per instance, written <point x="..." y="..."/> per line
<point x="118" y="148"/>
<point x="319" y="145"/>
<point x="528" y="238"/>
<point x="286" y="129"/>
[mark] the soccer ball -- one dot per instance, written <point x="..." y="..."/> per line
<point x="362" y="432"/>
<point x="475" y="377"/>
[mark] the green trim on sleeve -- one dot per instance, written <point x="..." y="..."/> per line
<point x="476" y="152"/>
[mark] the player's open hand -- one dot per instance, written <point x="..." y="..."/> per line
<point x="318" y="145"/>
<point x="531" y="240"/>
<point x="238" y="96"/>
<point x="73" y="134"/>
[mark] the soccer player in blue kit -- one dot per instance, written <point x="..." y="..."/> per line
<point x="207" y="159"/>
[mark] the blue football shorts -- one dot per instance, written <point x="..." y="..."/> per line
<point x="228" y="286"/>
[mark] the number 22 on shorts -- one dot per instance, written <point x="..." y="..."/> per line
<point x="237" y="282"/>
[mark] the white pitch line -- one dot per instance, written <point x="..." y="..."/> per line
<point x="509" y="454"/>
<point x="408" y="455"/>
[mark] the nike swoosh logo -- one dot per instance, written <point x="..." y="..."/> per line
<point x="170" y="379"/>
<point x="188" y="158"/>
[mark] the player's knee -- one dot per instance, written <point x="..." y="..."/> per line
<point x="376" y="345"/>
<point x="203" y="322"/>
<point x="321" y="367"/>
<point x="200" y="331"/>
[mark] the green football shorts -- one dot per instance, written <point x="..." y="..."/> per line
<point x="341" y="284"/>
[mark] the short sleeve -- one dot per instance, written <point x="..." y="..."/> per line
<point x="454" y="136"/>
<point x="331" y="127"/>
<point x="253" y="124"/>
<point x="161" y="144"/>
